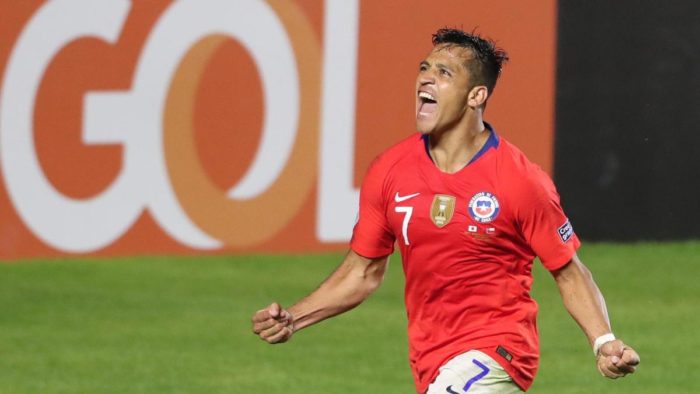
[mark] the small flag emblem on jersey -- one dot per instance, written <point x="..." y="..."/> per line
<point x="442" y="209"/>
<point x="504" y="353"/>
<point x="484" y="207"/>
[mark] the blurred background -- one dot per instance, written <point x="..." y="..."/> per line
<point x="169" y="167"/>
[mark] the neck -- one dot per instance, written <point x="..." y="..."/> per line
<point x="453" y="149"/>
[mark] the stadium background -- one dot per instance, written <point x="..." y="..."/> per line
<point x="602" y="94"/>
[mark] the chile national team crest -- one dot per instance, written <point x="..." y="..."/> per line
<point x="484" y="207"/>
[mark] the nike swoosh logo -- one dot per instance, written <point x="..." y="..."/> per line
<point x="449" y="390"/>
<point x="398" y="198"/>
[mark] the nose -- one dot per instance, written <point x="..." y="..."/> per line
<point x="426" y="78"/>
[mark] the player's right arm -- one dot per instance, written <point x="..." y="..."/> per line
<point x="354" y="279"/>
<point x="350" y="284"/>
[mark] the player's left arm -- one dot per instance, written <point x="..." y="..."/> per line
<point x="586" y="304"/>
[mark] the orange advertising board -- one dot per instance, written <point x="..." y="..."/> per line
<point x="193" y="126"/>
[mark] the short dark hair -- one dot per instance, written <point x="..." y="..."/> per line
<point x="485" y="66"/>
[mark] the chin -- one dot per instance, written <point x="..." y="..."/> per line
<point x="424" y="128"/>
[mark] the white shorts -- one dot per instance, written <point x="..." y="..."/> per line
<point x="473" y="372"/>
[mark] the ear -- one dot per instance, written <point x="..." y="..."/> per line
<point x="477" y="96"/>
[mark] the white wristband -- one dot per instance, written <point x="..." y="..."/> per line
<point x="601" y="340"/>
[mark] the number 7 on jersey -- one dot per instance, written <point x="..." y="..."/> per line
<point x="407" y="211"/>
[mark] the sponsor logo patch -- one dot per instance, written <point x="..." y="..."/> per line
<point x="442" y="209"/>
<point x="565" y="231"/>
<point x="484" y="207"/>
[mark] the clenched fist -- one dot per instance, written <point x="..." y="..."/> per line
<point x="615" y="359"/>
<point x="273" y="324"/>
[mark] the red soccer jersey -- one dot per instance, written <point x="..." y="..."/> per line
<point x="467" y="242"/>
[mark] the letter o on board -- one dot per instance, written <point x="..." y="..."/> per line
<point x="264" y="201"/>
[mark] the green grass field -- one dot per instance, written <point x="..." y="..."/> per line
<point x="182" y="325"/>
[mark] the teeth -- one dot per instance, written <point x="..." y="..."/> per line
<point x="426" y="95"/>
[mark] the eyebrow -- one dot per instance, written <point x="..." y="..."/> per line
<point x="438" y="65"/>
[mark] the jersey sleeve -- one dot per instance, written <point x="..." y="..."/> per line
<point x="372" y="236"/>
<point x="543" y="223"/>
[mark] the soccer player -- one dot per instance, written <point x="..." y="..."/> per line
<point x="469" y="214"/>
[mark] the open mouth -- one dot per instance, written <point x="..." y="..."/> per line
<point x="428" y="104"/>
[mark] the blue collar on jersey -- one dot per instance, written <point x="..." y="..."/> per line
<point x="492" y="142"/>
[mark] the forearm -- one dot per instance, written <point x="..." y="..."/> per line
<point x="583" y="299"/>
<point x="348" y="286"/>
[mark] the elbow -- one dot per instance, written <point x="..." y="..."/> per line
<point x="375" y="276"/>
<point x="574" y="270"/>
<point x="357" y="279"/>
<point x="585" y="272"/>
<point x="370" y="281"/>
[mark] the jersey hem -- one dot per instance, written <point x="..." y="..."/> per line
<point x="563" y="260"/>
<point x="519" y="379"/>
<point x="370" y="253"/>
